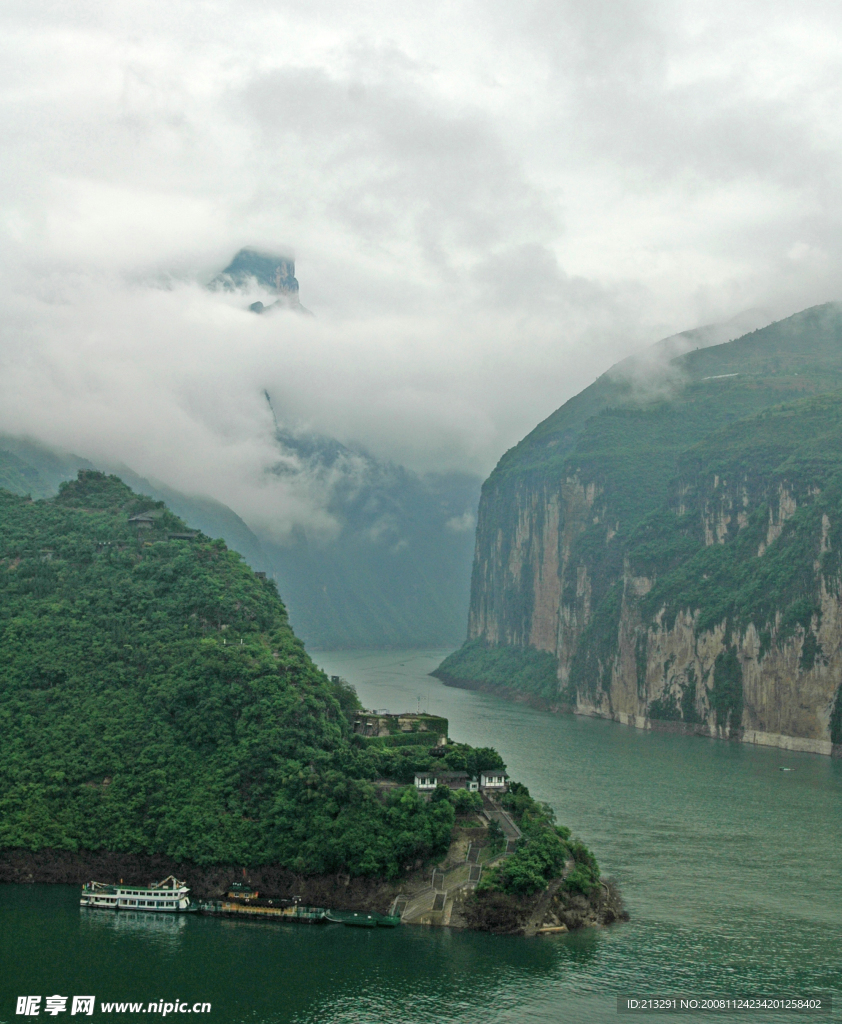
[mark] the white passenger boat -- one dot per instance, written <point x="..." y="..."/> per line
<point x="168" y="897"/>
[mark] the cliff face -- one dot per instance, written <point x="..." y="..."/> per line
<point x="769" y="675"/>
<point x="676" y="562"/>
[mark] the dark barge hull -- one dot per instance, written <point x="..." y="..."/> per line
<point x="358" y="919"/>
<point x="292" y="915"/>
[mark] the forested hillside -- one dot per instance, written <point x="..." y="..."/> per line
<point x="154" y="699"/>
<point x="396" y="575"/>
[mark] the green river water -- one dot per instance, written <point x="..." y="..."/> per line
<point x="731" y="870"/>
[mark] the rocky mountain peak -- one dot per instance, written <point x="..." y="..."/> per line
<point x="252" y="270"/>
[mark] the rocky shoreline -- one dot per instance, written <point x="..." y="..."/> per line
<point x="340" y="892"/>
<point x="551" y="911"/>
<point x="493" y="912"/>
<point x="755" y="737"/>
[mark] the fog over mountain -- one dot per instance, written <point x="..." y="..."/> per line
<point x="487" y="206"/>
<point x="393" y="572"/>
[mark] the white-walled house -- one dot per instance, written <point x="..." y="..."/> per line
<point x="496" y="781"/>
<point x="425" y="782"/>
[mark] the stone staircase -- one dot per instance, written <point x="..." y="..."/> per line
<point x="419" y="903"/>
<point x="398" y="905"/>
<point x="437" y="897"/>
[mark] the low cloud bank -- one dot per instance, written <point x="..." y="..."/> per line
<point x="489" y="206"/>
<point x="172" y="381"/>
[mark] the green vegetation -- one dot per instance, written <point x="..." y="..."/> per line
<point x="464" y="803"/>
<point x="787" y="360"/>
<point x="18" y="477"/>
<point x="154" y="699"/>
<point x="836" y="718"/>
<point x="522" y="669"/>
<point x="796" y="447"/>
<point x="710" y="443"/>
<point x="398" y="574"/>
<point x="541" y="853"/>
<point x="727" y="692"/>
<point x="496" y="837"/>
<point x="410" y="739"/>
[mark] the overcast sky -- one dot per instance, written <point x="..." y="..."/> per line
<point x="489" y="203"/>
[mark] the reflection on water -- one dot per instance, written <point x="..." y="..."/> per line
<point x="133" y="922"/>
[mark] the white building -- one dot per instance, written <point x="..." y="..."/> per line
<point x="493" y="780"/>
<point x="426" y="781"/>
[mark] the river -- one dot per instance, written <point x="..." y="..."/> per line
<point x="731" y="870"/>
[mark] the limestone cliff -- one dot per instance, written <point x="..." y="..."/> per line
<point x="674" y="562"/>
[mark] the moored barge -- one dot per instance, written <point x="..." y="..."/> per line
<point x="241" y="900"/>
<point x="361" y="919"/>
<point x="296" y="913"/>
<point x="244" y="901"/>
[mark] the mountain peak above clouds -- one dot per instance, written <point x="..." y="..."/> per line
<point x="254" y="271"/>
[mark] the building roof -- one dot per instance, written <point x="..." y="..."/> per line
<point x="441" y="776"/>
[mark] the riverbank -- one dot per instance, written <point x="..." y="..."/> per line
<point x="755" y="737"/>
<point x="64" y="867"/>
<point x="440" y="897"/>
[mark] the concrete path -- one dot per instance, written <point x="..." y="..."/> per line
<point x="495" y="813"/>
<point x="438" y="896"/>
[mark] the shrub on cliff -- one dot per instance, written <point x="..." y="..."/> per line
<point x="541" y="852"/>
<point x="584" y="877"/>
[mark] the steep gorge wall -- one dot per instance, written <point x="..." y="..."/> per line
<point x="521" y="570"/>
<point x="553" y="574"/>
<point x="666" y="547"/>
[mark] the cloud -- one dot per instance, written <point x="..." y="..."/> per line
<point x="488" y="205"/>
<point x="462" y="524"/>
